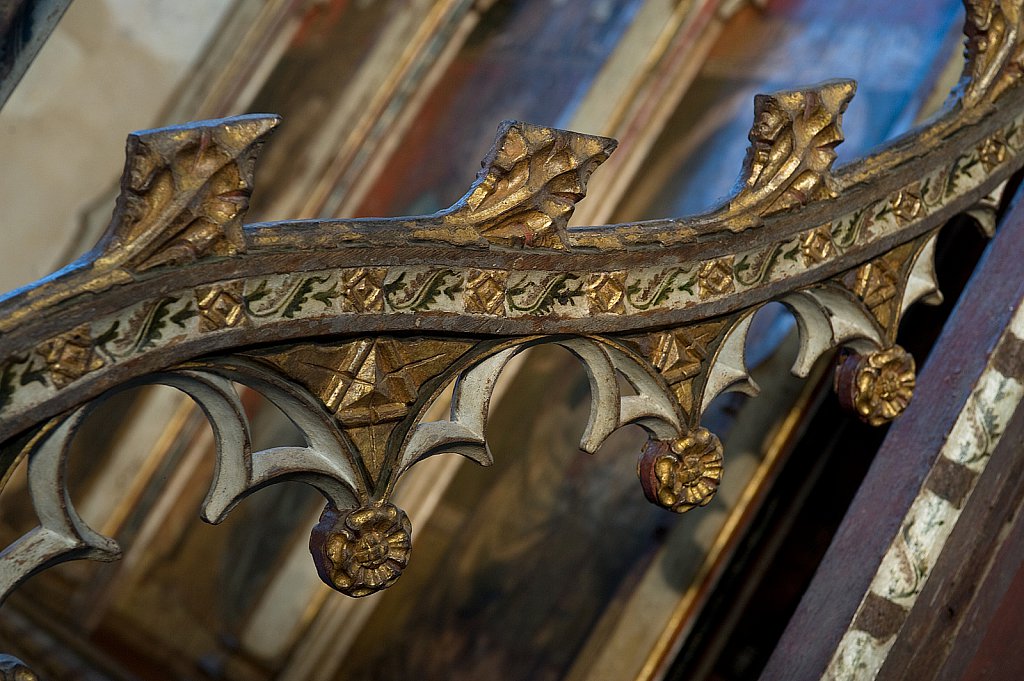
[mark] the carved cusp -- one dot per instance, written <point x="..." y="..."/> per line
<point x="184" y="193"/>
<point x="792" y="149"/>
<point x="528" y="186"/>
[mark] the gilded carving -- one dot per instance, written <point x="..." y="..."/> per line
<point x="877" y="386"/>
<point x="606" y="292"/>
<point x="994" y="55"/>
<point x="529" y="186"/>
<point x="993" y="152"/>
<point x="368" y="384"/>
<point x="485" y="291"/>
<point x="184" y="193"/>
<point x="877" y="284"/>
<point x="817" y="245"/>
<point x="220" y="307"/>
<point x="906" y="203"/>
<point x="363" y="288"/>
<point x="715" y="277"/>
<point x="792" y="141"/>
<point x="70" y="356"/>
<point x="679" y="355"/>
<point x="684" y="473"/>
<point x="363" y="550"/>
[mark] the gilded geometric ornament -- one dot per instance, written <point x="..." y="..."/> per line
<point x="221" y="307"/>
<point x="368" y="384"/>
<point x="680" y="354"/>
<point x="363" y="289"/>
<point x="992" y="152"/>
<point x="715" y="277"/>
<point x="817" y="245"/>
<point x="485" y="291"/>
<point x="70" y="356"/>
<point x="606" y="292"/>
<point x="906" y="203"/>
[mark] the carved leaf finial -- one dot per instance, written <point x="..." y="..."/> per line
<point x="184" y="192"/>
<point x="529" y="185"/>
<point x="792" y="149"/>
<point x="994" y="55"/>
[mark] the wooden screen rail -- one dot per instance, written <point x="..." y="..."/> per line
<point x="353" y="327"/>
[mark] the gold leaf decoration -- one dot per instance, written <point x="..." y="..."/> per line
<point x="684" y="473"/>
<point x="70" y="356"/>
<point x="184" y="192"/>
<point x="792" y="149"/>
<point x="877" y="386"/>
<point x="363" y="550"/>
<point x="529" y="186"/>
<point x="995" y="58"/>
<point x="368" y="384"/>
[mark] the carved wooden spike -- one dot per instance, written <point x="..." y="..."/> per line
<point x="792" y="149"/>
<point x="529" y="186"/>
<point x="184" y="193"/>
<point x="828" y="317"/>
<point x="986" y="211"/>
<point x="62" y="535"/>
<point x="727" y="370"/>
<point x="463" y="433"/>
<point x="921" y="283"/>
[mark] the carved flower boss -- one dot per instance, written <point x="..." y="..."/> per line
<point x="363" y="550"/>
<point x="684" y="473"/>
<point x="879" y="385"/>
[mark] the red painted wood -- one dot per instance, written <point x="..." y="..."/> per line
<point x="905" y="458"/>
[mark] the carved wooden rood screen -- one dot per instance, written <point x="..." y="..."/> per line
<point x="353" y="328"/>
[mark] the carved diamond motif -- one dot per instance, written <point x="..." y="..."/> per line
<point x="906" y="204"/>
<point x="70" y="356"/>
<point x="875" y="283"/>
<point x="220" y="307"/>
<point x="715" y="277"/>
<point x="363" y="288"/>
<point x="485" y="291"/>
<point x="817" y="245"/>
<point x="992" y="151"/>
<point x="606" y="292"/>
<point x="679" y="353"/>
